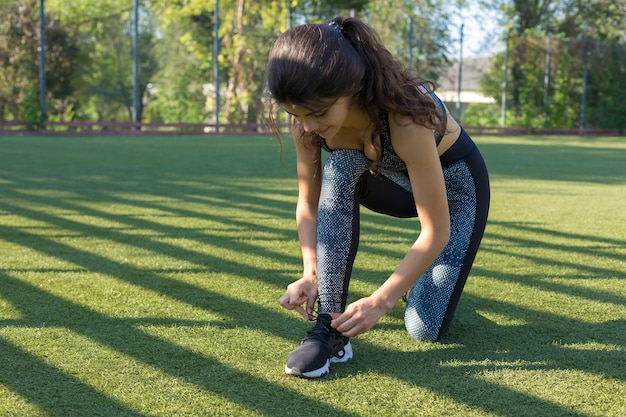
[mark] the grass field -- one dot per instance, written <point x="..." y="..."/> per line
<point x="139" y="276"/>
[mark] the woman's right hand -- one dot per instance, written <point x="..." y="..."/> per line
<point x="302" y="292"/>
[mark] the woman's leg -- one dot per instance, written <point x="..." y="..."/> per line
<point x="338" y="227"/>
<point x="434" y="297"/>
<point x="347" y="183"/>
<point x="337" y="240"/>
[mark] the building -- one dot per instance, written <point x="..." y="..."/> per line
<point x="472" y="71"/>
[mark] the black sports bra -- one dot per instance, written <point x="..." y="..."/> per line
<point x="442" y="109"/>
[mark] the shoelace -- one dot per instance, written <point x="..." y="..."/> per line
<point x="326" y="334"/>
<point x="322" y="330"/>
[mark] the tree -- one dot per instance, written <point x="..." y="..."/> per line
<point x="19" y="79"/>
<point x="322" y="10"/>
<point x="18" y="42"/>
<point x="420" y="43"/>
<point x="177" y="58"/>
<point x="176" y="94"/>
<point x="248" y="29"/>
<point x="598" y="19"/>
<point x="104" y="82"/>
<point x="573" y="35"/>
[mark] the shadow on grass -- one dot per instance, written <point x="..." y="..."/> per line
<point x="537" y="341"/>
<point x="459" y="369"/>
<point x="49" y="388"/>
<point x="38" y="195"/>
<point x="39" y="308"/>
<point x="41" y="198"/>
<point x="61" y="394"/>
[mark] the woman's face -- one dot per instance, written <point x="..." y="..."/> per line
<point x="325" y="118"/>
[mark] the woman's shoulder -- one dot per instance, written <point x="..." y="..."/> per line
<point x="406" y="136"/>
<point x="403" y="126"/>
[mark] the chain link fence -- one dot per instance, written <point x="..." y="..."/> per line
<point x="120" y="69"/>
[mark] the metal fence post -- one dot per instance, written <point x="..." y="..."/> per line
<point x="216" y="68"/>
<point x="505" y="82"/>
<point x="583" y="103"/>
<point x="42" y="66"/>
<point x="458" y="88"/>
<point x="136" y="63"/>
<point x="546" y="84"/>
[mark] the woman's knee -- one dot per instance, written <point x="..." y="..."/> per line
<point x="419" y="328"/>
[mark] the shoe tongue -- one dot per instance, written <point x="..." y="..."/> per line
<point x="322" y="329"/>
<point x="324" y="318"/>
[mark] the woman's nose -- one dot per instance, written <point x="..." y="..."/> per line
<point x="309" y="125"/>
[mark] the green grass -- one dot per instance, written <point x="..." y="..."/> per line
<point x="139" y="276"/>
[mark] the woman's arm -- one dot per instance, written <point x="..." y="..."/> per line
<point x="415" y="145"/>
<point x="309" y="185"/>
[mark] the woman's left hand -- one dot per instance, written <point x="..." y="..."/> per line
<point x="359" y="317"/>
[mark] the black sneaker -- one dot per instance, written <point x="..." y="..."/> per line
<point x="321" y="346"/>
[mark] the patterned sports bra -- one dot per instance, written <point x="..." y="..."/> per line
<point x="389" y="159"/>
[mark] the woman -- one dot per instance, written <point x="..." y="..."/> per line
<point x="394" y="149"/>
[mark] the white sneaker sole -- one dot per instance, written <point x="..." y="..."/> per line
<point x="316" y="373"/>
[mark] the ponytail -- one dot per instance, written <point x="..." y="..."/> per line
<point x="387" y="85"/>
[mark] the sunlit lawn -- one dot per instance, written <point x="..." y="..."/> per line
<point x="139" y="277"/>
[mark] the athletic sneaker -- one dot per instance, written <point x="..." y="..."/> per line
<point x="321" y="346"/>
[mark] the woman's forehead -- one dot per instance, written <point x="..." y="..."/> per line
<point x="312" y="105"/>
<point x="302" y="110"/>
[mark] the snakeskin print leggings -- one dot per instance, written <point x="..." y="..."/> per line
<point x="347" y="184"/>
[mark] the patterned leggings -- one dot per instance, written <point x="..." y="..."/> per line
<point x="347" y="184"/>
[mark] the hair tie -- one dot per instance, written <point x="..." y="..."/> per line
<point x="333" y="24"/>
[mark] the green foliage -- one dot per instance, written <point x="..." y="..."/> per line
<point x="19" y="76"/>
<point x="481" y="114"/>
<point x="567" y="32"/>
<point x="526" y="93"/>
<point x="178" y="102"/>
<point x="29" y="106"/>
<point x="419" y="43"/>
<point x="94" y="79"/>
<point x="89" y="56"/>
<point x="566" y="90"/>
<point x="107" y="83"/>
<point x="19" y="82"/>
<point x="607" y="85"/>
<point x="139" y="276"/>
<point x="322" y="10"/>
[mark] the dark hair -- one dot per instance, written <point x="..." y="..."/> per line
<point x="344" y="57"/>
